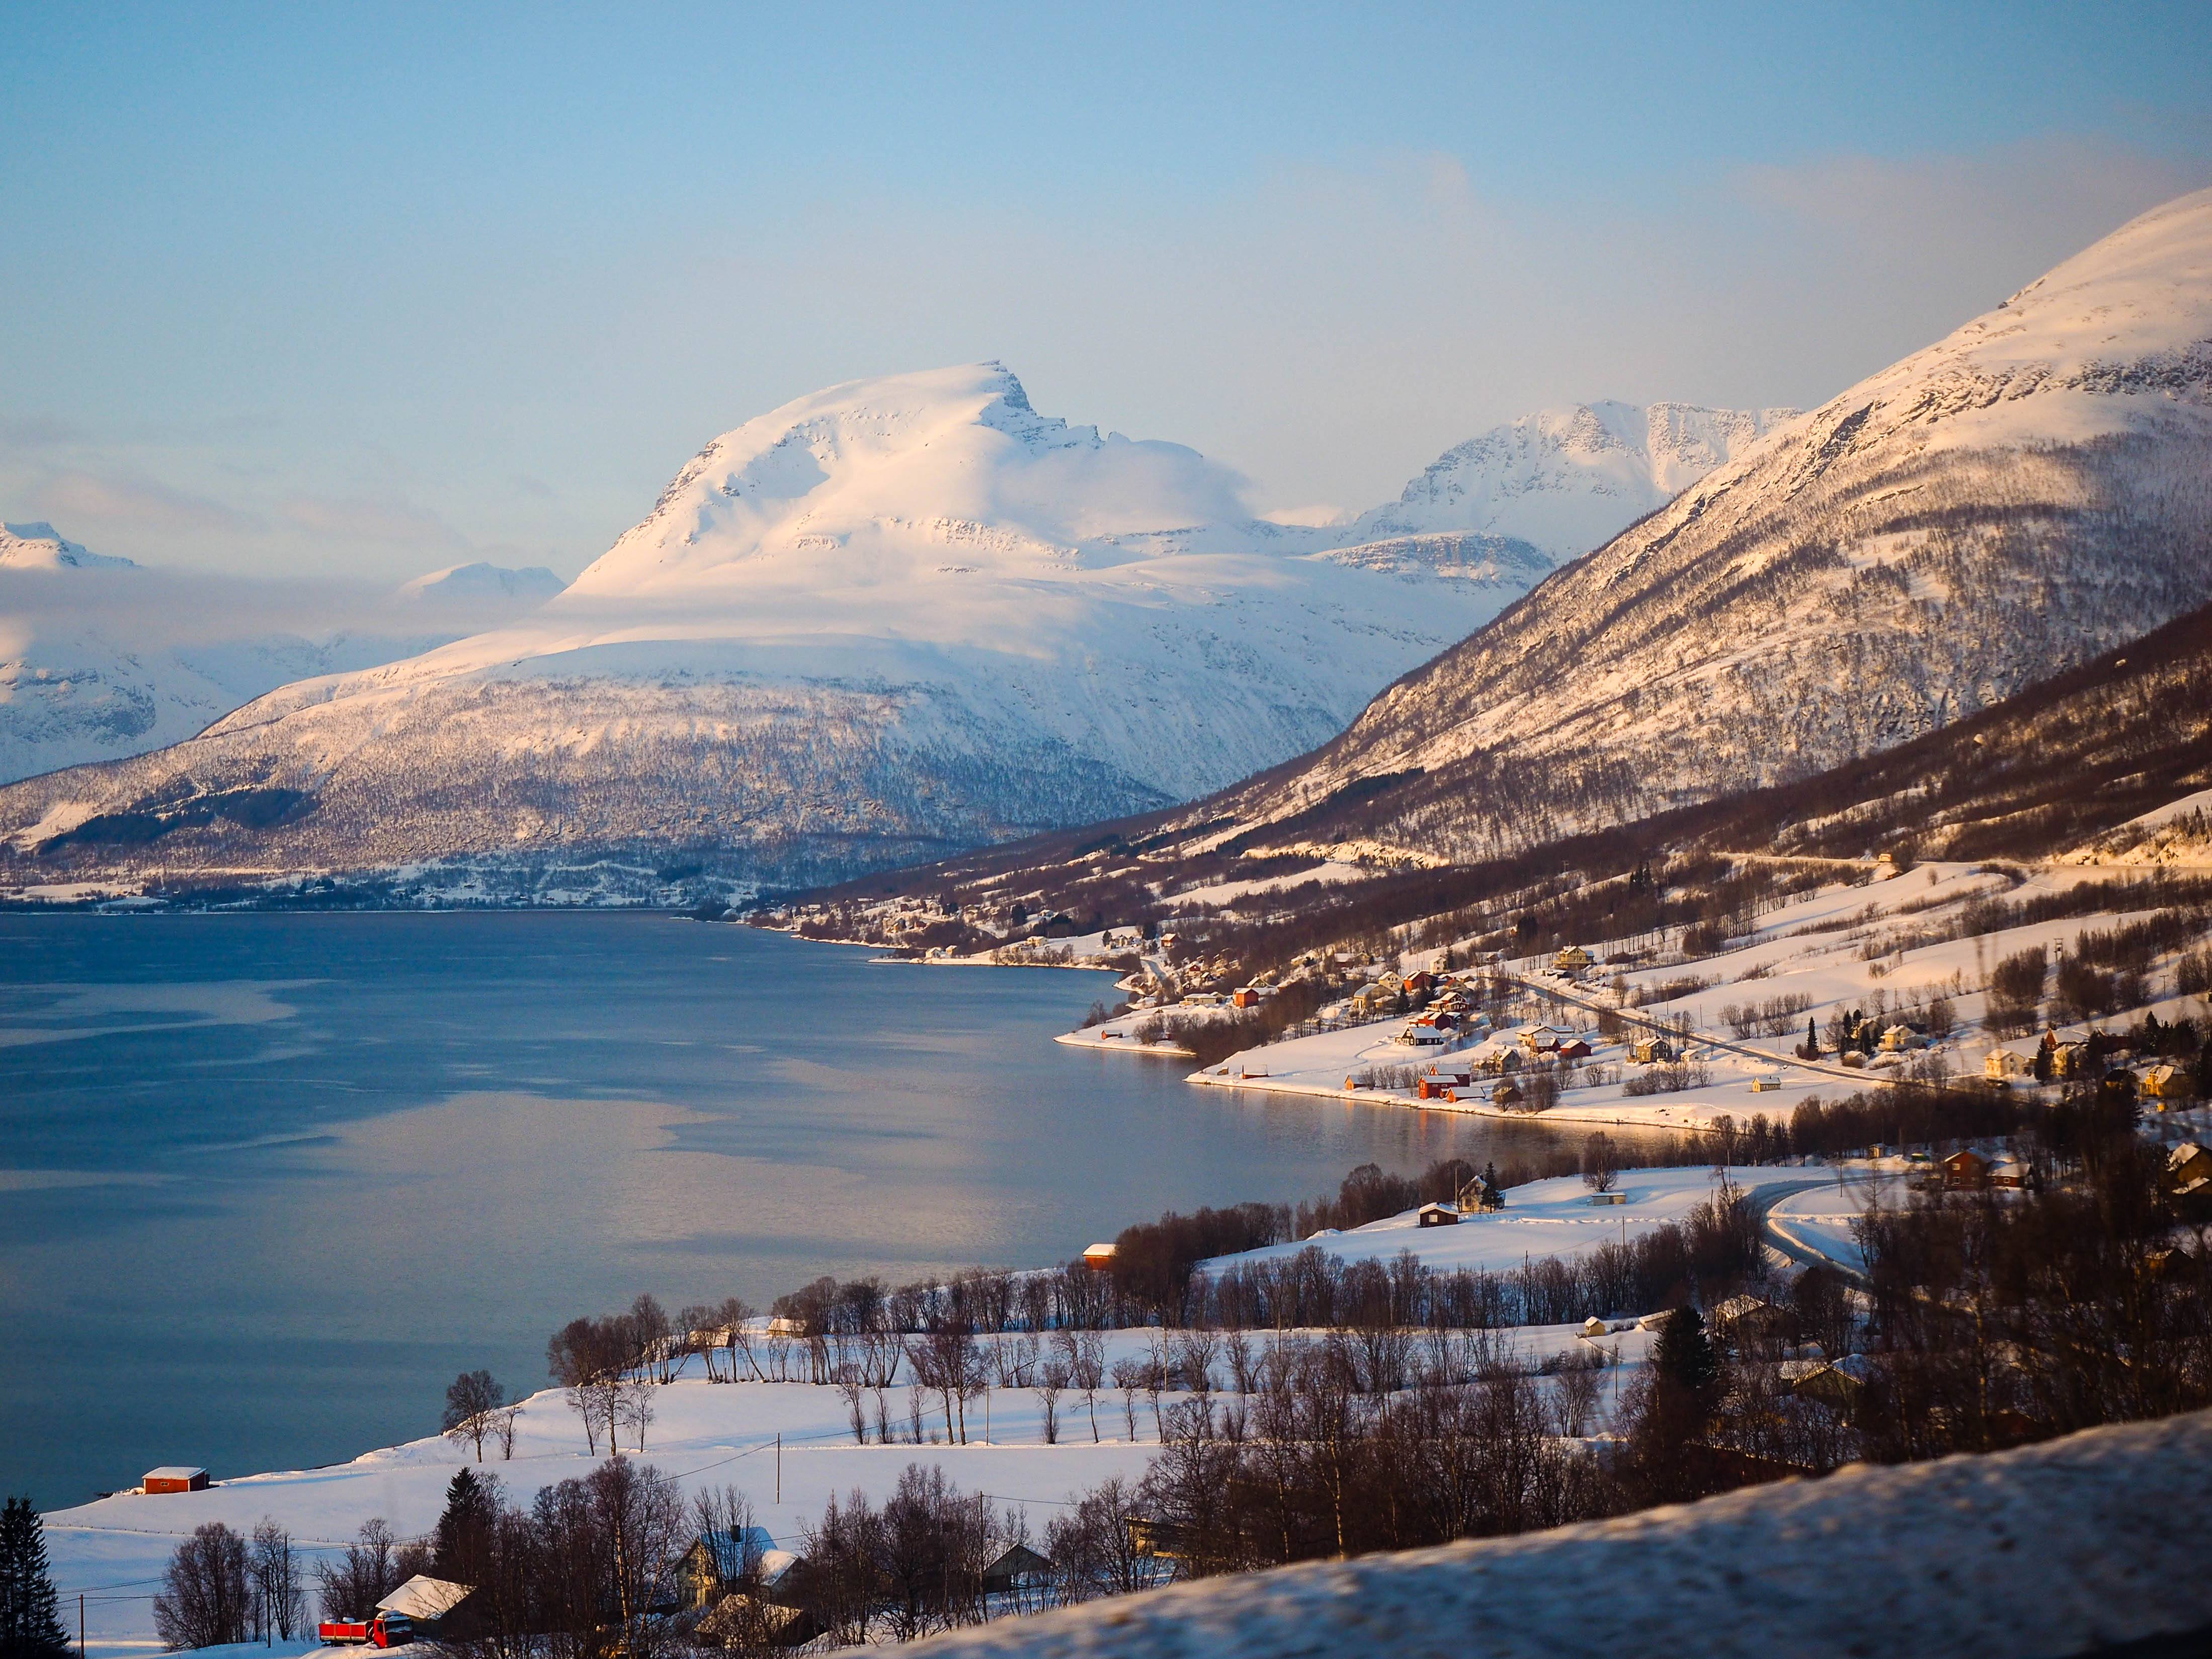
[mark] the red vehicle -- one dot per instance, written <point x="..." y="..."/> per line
<point x="386" y="1630"/>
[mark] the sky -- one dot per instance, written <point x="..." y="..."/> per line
<point x="358" y="292"/>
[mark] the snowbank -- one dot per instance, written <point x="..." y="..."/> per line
<point x="2062" y="1549"/>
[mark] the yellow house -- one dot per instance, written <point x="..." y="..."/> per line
<point x="2164" y="1083"/>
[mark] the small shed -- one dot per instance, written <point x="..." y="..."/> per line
<point x="1593" y="1325"/>
<point x="743" y="1621"/>
<point x="1574" y="1049"/>
<point x="1099" y="1257"/>
<point x="1436" y="1215"/>
<point x="1608" y="1198"/>
<point x="1017" y="1567"/>
<point x="175" y="1477"/>
<point x="434" y="1608"/>
<point x="1742" y="1316"/>
<point x="1506" y="1094"/>
<point x="1840" y="1384"/>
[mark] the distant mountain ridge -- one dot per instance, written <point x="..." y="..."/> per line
<point x="102" y="657"/>
<point x="40" y="546"/>
<point x="1567" y="480"/>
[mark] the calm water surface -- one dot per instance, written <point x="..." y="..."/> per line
<point x="267" y="1181"/>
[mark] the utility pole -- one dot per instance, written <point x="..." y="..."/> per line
<point x="80" y="1625"/>
<point x="779" y="1471"/>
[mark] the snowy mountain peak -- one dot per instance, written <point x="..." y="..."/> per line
<point x="40" y="546"/>
<point x="1568" y="479"/>
<point x="472" y="583"/>
<point x="903" y="473"/>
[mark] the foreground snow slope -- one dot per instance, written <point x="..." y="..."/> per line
<point x="2068" y="1548"/>
<point x="2029" y="492"/>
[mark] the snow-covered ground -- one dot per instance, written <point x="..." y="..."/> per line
<point x="1843" y="948"/>
<point x="707" y="1435"/>
<point x="2083" y="1544"/>
<point x="704" y="1435"/>
<point x="1555" y="1218"/>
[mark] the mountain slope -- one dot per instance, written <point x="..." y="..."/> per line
<point x="2031" y="490"/>
<point x="892" y="617"/>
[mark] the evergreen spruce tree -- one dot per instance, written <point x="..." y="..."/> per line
<point x="1683" y="1354"/>
<point x="462" y="1538"/>
<point x="29" y="1627"/>
<point x="1811" y="1039"/>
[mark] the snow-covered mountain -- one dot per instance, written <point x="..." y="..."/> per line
<point x="897" y="617"/>
<point x="1565" y="481"/>
<point x="40" y="546"/>
<point x="475" y="584"/>
<point x="2023" y="494"/>
<point x="102" y="657"/>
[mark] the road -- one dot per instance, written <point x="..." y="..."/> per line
<point x="1764" y="1197"/>
<point x="1856" y="1076"/>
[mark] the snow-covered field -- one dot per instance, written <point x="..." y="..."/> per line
<point x="704" y="1435"/>
<point x="707" y="1435"/>
<point x="710" y="1435"/>
<point x="1555" y="1218"/>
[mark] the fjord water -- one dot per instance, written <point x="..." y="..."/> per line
<point x="267" y="1181"/>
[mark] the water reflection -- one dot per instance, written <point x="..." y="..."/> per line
<point x="286" y="1174"/>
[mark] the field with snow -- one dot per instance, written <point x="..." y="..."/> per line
<point x="1555" y="1218"/>
<point x="705" y="1435"/>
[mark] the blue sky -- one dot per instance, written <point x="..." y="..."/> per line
<point x="364" y="290"/>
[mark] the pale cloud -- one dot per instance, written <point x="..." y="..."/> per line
<point x="370" y="518"/>
<point x="1320" y="332"/>
<point x="91" y="503"/>
<point x="38" y="432"/>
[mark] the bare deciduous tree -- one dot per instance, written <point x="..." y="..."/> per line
<point x="473" y="1401"/>
<point x="205" y="1601"/>
<point x="280" y="1606"/>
